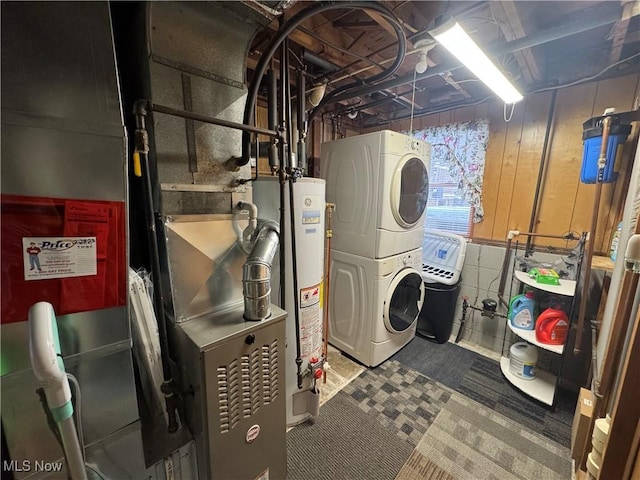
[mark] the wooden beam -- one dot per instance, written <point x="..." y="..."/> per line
<point x="355" y="25"/>
<point x="508" y="19"/>
<point x="619" y="32"/>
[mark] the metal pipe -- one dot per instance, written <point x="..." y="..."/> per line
<point x="284" y="32"/>
<point x="247" y="233"/>
<point x="543" y="161"/>
<point x="602" y="161"/>
<point x="291" y="161"/>
<point x="329" y="208"/>
<point x="272" y="111"/>
<point x="302" y="122"/>
<point x="282" y="180"/>
<point x="294" y="264"/>
<point x="256" y="273"/>
<point x="318" y="61"/>
<point x="572" y="28"/>
<point x="142" y="154"/>
<point x="503" y="273"/>
<point x="214" y="121"/>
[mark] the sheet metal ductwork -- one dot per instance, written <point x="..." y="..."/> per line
<point x="256" y="272"/>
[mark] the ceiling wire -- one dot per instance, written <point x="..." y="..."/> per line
<point x="586" y="79"/>
<point x="504" y="112"/>
<point x="413" y="97"/>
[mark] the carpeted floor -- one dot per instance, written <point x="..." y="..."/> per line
<point x="481" y="379"/>
<point x="344" y="442"/>
<point x="460" y="421"/>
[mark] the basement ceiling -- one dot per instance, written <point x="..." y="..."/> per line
<point x="538" y="45"/>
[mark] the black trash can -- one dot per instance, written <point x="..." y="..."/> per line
<point x="435" y="321"/>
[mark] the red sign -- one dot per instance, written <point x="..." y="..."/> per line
<point x="36" y="217"/>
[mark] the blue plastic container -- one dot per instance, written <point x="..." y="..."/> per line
<point x="592" y="138"/>
<point x="522" y="311"/>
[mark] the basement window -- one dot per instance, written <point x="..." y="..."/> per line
<point x="455" y="175"/>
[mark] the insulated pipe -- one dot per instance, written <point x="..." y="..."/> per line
<point x="291" y="161"/>
<point x="602" y="162"/>
<point x="256" y="273"/>
<point x="543" y="161"/>
<point x="283" y="118"/>
<point x="272" y="111"/>
<point x="141" y="158"/>
<point x="302" y="122"/>
<point x="289" y="27"/>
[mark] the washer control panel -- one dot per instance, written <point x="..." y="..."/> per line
<point x="410" y="259"/>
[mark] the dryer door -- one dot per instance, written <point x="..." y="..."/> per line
<point x="403" y="301"/>
<point x="409" y="191"/>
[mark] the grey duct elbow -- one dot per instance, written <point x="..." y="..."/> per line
<point x="256" y="273"/>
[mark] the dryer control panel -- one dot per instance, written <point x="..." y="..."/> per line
<point x="417" y="147"/>
<point x="410" y="259"/>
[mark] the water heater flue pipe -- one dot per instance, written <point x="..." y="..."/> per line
<point x="256" y="272"/>
<point x="248" y="233"/>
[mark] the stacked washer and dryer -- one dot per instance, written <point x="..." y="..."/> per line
<point x="379" y="183"/>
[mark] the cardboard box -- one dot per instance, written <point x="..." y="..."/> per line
<point x="580" y="429"/>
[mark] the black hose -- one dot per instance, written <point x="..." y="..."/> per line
<point x="142" y="149"/>
<point x="289" y="27"/>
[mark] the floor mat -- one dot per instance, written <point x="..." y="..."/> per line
<point x="472" y="442"/>
<point x="481" y="379"/>
<point x="343" y="442"/>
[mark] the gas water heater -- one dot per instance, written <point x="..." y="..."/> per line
<point x="309" y="210"/>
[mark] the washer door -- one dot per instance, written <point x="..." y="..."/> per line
<point x="403" y="301"/>
<point x="409" y="191"/>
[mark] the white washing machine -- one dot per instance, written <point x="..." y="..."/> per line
<point x="379" y="183"/>
<point x="374" y="304"/>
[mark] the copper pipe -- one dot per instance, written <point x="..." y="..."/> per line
<point x="602" y="161"/>
<point x="327" y="267"/>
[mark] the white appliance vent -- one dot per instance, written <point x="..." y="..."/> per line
<point x="442" y="256"/>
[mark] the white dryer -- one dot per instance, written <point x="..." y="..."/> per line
<point x="374" y="304"/>
<point x="379" y="183"/>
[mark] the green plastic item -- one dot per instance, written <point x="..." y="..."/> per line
<point x="546" y="276"/>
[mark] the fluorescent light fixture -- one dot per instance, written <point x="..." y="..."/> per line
<point x="453" y="37"/>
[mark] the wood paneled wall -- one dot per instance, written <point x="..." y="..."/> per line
<point x="513" y="159"/>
